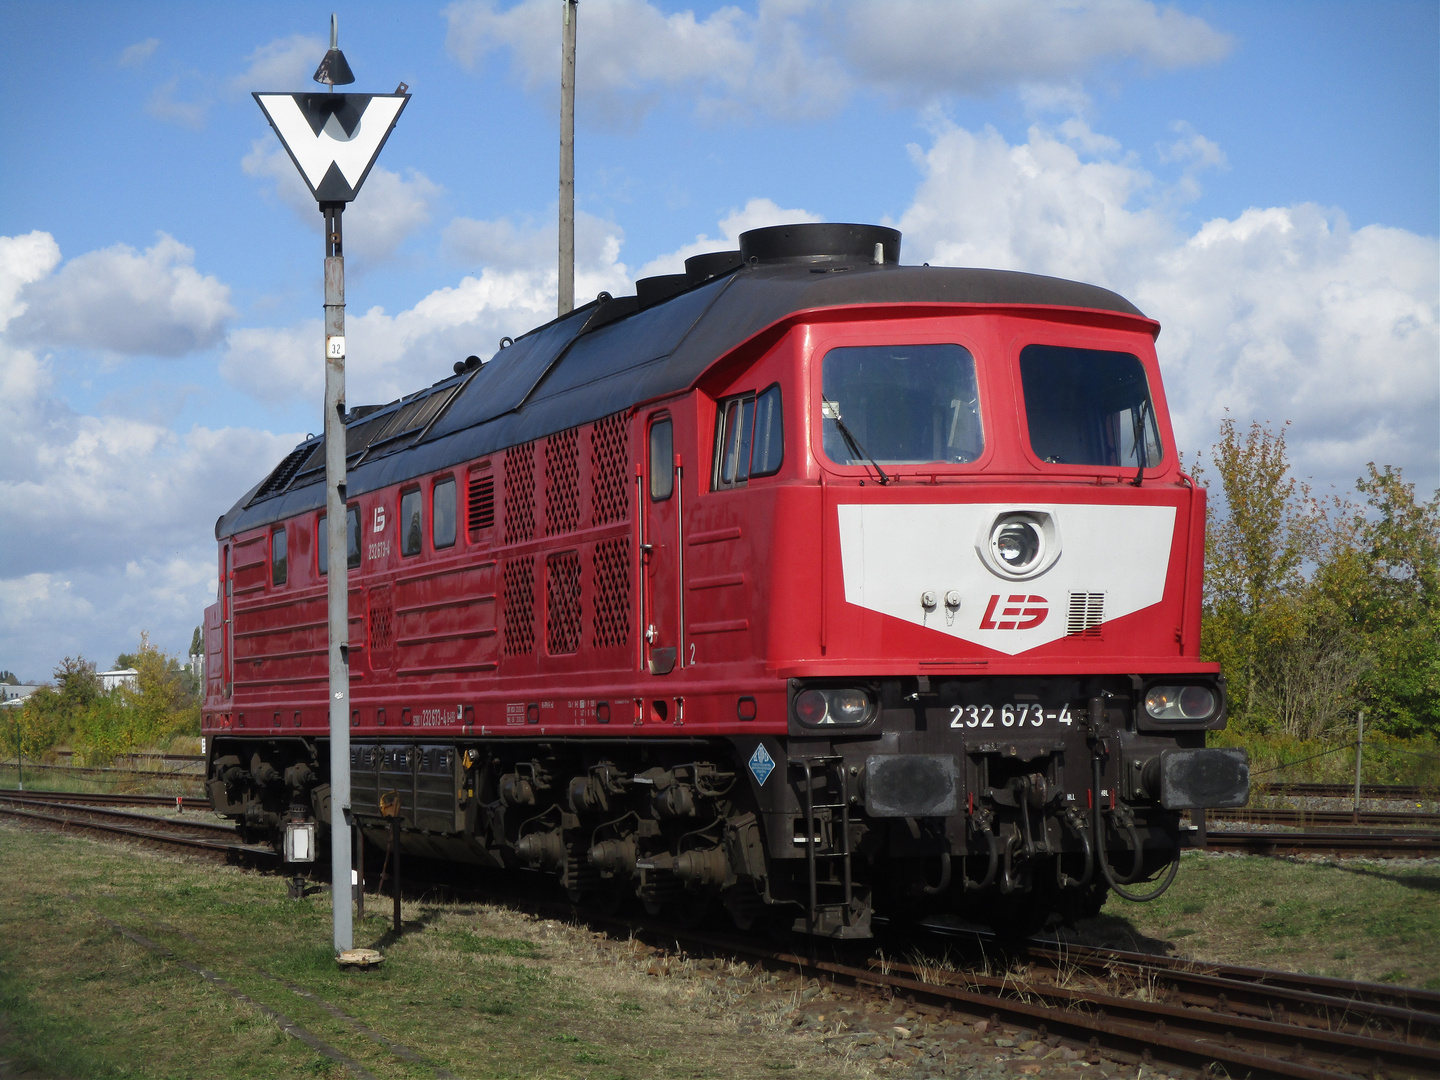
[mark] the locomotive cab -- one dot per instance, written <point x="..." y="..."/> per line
<point x="807" y="582"/>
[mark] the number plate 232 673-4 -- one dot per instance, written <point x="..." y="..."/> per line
<point x="1015" y="715"/>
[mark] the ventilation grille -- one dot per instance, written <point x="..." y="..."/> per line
<point x="481" y="510"/>
<point x="287" y="470"/>
<point x="562" y="603"/>
<point x="609" y="484"/>
<point x="612" y="594"/>
<point x="382" y="621"/>
<point x="562" y="482"/>
<point x="1087" y="612"/>
<point x="520" y="493"/>
<point x="519" y="606"/>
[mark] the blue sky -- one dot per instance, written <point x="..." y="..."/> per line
<point x="1262" y="178"/>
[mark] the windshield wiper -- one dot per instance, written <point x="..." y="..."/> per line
<point x="831" y="410"/>
<point x="1139" y="436"/>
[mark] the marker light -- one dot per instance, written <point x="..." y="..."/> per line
<point x="824" y="708"/>
<point x="1180" y="702"/>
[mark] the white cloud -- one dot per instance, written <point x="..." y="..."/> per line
<point x="87" y="495"/>
<point x="389" y="210"/>
<point x="151" y="303"/>
<point x="1281" y="313"/>
<point x="167" y="103"/>
<point x="926" y="48"/>
<point x="283" y="64"/>
<point x="390" y="355"/>
<point x="23" y="259"/>
<point x="800" y="58"/>
<point x="634" y="56"/>
<point x="138" y="54"/>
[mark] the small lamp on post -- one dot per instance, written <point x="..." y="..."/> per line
<point x="334" y="139"/>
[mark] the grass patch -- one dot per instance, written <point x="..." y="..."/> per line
<point x="482" y="991"/>
<point x="1375" y="921"/>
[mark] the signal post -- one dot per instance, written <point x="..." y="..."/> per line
<point x="334" y="139"/>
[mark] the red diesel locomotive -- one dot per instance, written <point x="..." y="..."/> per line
<point x="805" y="581"/>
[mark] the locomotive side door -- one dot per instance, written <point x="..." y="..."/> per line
<point x="660" y="546"/>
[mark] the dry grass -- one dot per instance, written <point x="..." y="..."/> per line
<point x="481" y="990"/>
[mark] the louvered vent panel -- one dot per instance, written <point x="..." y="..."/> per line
<point x="562" y="482"/>
<point x="481" y="507"/>
<point x="562" y="603"/>
<point x="609" y="482"/>
<point x="520" y="493"/>
<point x="519" y="602"/>
<point x="280" y="479"/>
<point x="1087" y="612"/>
<point x="612" y="594"/>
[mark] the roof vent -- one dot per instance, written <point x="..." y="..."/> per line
<point x="815" y="242"/>
<point x="700" y="268"/>
<point x="652" y="290"/>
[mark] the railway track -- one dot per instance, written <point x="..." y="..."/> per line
<point x="194" y="837"/>
<point x="1129" y="1007"/>
<point x="1140" y="1009"/>
<point x="1399" y="844"/>
<point x="1347" y="791"/>
<point x="1323" y="819"/>
<point x="111" y="770"/>
<point x="110" y="798"/>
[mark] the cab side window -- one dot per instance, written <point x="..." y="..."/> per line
<point x="749" y="438"/>
<point x="662" y="460"/>
<point x="410" y="523"/>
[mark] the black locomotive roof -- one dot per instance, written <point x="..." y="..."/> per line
<point x="607" y="356"/>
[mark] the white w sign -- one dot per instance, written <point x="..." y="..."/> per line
<point x="333" y="138"/>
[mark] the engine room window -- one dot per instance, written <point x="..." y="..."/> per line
<point x="749" y="438"/>
<point x="278" y="565"/>
<point x="352" y="541"/>
<point x="662" y="460"/>
<point x="1088" y="407"/>
<point x="442" y="513"/>
<point x="410" y="523"/>
<point x="901" y="405"/>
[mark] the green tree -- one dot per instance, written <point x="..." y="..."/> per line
<point x="1384" y="581"/>
<point x="1258" y="537"/>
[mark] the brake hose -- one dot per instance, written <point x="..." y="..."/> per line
<point x="1104" y="860"/>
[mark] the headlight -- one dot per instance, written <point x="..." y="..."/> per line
<point x="1180" y="702"/>
<point x="1020" y="544"/>
<point x="823" y="708"/>
<point x="1017" y="545"/>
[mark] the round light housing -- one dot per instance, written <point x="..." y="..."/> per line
<point x="811" y="708"/>
<point x="823" y="708"/>
<point x="849" y="706"/>
<point x="1196" y="702"/>
<point x="1180" y="702"/>
<point x="1019" y="544"/>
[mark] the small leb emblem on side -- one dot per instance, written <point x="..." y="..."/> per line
<point x="761" y="764"/>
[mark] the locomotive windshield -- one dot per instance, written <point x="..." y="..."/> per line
<point x="1088" y="407"/>
<point x="901" y="404"/>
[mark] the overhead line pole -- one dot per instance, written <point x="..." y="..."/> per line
<point x="567" y="160"/>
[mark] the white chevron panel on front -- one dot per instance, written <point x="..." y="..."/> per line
<point x="897" y="557"/>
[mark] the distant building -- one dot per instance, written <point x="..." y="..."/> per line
<point x="14" y="695"/>
<point x="111" y="680"/>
